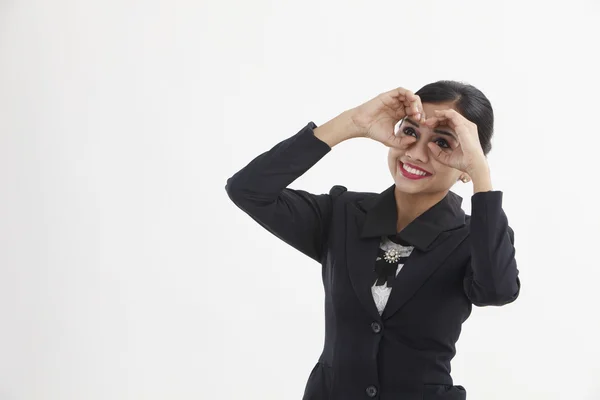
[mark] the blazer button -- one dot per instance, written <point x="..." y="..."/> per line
<point x="376" y="327"/>
<point x="371" y="391"/>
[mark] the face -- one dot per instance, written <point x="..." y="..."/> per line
<point x="438" y="178"/>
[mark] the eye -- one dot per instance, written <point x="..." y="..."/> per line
<point x="443" y="144"/>
<point x="409" y="131"/>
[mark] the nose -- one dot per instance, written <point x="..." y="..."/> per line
<point x="419" y="151"/>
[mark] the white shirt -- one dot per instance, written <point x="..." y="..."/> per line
<point x="381" y="293"/>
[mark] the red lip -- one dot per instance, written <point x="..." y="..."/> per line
<point x="408" y="175"/>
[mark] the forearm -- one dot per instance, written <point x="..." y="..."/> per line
<point x="260" y="189"/>
<point x="262" y="180"/>
<point x="337" y="129"/>
<point x="493" y="276"/>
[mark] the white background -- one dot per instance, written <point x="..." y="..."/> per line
<point x="127" y="273"/>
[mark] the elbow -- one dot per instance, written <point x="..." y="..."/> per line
<point x="234" y="191"/>
<point x="497" y="301"/>
<point x="245" y="198"/>
<point x="499" y="297"/>
<point x="236" y="194"/>
<point x="229" y="187"/>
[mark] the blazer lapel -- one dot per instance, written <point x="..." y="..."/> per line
<point x="360" y="255"/>
<point x="418" y="268"/>
<point x="374" y="217"/>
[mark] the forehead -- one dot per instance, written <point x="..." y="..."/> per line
<point x="442" y="127"/>
<point x="429" y="109"/>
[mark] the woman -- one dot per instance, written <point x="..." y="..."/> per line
<point x="401" y="268"/>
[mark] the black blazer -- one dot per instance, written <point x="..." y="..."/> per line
<point x="458" y="260"/>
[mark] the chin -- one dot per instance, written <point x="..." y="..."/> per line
<point x="408" y="187"/>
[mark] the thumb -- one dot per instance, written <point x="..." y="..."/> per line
<point x="397" y="142"/>
<point x="439" y="154"/>
<point x="405" y="142"/>
<point x="391" y="141"/>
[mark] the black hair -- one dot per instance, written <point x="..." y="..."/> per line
<point x="468" y="101"/>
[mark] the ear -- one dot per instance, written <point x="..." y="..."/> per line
<point x="464" y="177"/>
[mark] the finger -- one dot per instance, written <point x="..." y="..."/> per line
<point x="401" y="142"/>
<point x="406" y="108"/>
<point x="410" y="95"/>
<point x="401" y="94"/>
<point x="398" y="99"/>
<point x="413" y="109"/>
<point x="435" y="121"/>
<point x="439" y="153"/>
<point x="406" y="142"/>
<point x="431" y="121"/>
<point x="451" y="116"/>
<point x="420" y="111"/>
<point x="411" y="102"/>
<point x="418" y="108"/>
<point x="394" y="142"/>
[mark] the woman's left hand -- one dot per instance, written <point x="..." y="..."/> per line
<point x="468" y="156"/>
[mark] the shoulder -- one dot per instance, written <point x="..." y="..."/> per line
<point x="467" y="219"/>
<point x="337" y="190"/>
<point x="341" y="193"/>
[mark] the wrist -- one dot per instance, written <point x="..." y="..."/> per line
<point x="482" y="180"/>
<point x="481" y="168"/>
<point x="480" y="176"/>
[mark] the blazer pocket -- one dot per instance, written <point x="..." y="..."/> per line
<point x="318" y="386"/>
<point x="443" y="392"/>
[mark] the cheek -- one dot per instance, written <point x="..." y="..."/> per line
<point x="445" y="171"/>
<point x="393" y="156"/>
<point x="391" y="164"/>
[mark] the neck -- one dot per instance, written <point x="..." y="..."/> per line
<point x="410" y="205"/>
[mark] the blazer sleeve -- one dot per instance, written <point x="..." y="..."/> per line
<point x="492" y="275"/>
<point x="299" y="218"/>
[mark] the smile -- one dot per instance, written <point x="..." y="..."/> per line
<point x="412" y="172"/>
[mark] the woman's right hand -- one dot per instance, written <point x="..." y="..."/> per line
<point x="377" y="118"/>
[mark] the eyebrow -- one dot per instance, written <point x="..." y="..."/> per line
<point x="410" y="121"/>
